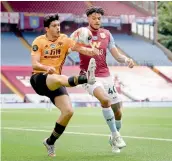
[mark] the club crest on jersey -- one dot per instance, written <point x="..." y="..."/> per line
<point x="102" y="35"/>
<point x="35" y="47"/>
<point x="52" y="46"/>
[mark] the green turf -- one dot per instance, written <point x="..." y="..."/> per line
<point x="20" y="145"/>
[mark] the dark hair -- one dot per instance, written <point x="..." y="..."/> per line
<point x="94" y="9"/>
<point x="49" y="18"/>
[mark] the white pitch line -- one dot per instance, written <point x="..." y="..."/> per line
<point x="45" y="112"/>
<point x="88" y="134"/>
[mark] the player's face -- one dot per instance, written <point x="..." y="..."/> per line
<point x="94" y="20"/>
<point x="54" y="28"/>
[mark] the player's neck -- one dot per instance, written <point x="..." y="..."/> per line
<point x="50" y="37"/>
<point x="92" y="29"/>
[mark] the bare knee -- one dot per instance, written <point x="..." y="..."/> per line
<point x="117" y="110"/>
<point x="68" y="113"/>
<point x="105" y="102"/>
<point x="100" y="94"/>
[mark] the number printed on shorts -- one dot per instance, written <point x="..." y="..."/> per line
<point x="111" y="90"/>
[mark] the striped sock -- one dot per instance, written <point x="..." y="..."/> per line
<point x="57" y="132"/>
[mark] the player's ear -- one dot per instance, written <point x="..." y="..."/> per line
<point x="46" y="29"/>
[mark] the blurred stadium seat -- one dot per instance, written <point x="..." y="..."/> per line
<point x="112" y="8"/>
<point x="142" y="83"/>
<point x="49" y="7"/>
<point x="13" y="51"/>
<point x="115" y="8"/>
<point x="2" y="8"/>
<point x="141" y="51"/>
<point x="30" y="36"/>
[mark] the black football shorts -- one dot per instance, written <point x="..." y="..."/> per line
<point x="38" y="82"/>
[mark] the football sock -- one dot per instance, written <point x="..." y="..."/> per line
<point x="110" y="119"/>
<point x="75" y="80"/>
<point x="57" y="132"/>
<point x="118" y="124"/>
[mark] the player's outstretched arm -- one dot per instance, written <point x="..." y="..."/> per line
<point x="79" y="47"/>
<point x="84" y="50"/>
<point x="117" y="55"/>
<point x="121" y="58"/>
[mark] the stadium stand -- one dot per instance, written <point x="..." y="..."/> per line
<point x="49" y="7"/>
<point x="5" y="89"/>
<point x="2" y="8"/>
<point x="142" y="83"/>
<point x="30" y="36"/>
<point x="115" y="8"/>
<point x="133" y="46"/>
<point x="165" y="70"/>
<point x="13" y="51"/>
<point x="111" y="8"/>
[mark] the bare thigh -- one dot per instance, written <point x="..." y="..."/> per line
<point x="102" y="96"/>
<point x="63" y="103"/>
<point x="54" y="81"/>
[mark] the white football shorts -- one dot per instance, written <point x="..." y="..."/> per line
<point x="107" y="84"/>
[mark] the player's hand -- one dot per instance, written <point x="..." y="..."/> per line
<point x="51" y="70"/>
<point x="130" y="63"/>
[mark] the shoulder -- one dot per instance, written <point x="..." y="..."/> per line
<point x="104" y="31"/>
<point x="63" y="36"/>
<point x="38" y="42"/>
<point x="39" y="39"/>
<point x="65" y="39"/>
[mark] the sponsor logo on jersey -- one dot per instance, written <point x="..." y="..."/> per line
<point x="95" y="44"/>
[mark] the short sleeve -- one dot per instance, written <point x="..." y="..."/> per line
<point x="36" y="47"/>
<point x="111" y="42"/>
<point x="70" y="43"/>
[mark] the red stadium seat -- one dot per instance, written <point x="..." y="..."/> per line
<point x="78" y="8"/>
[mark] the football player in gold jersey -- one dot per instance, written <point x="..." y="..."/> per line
<point x="48" y="55"/>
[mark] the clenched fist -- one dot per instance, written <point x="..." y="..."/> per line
<point x="130" y="63"/>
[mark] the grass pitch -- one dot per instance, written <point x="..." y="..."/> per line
<point x="147" y="132"/>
